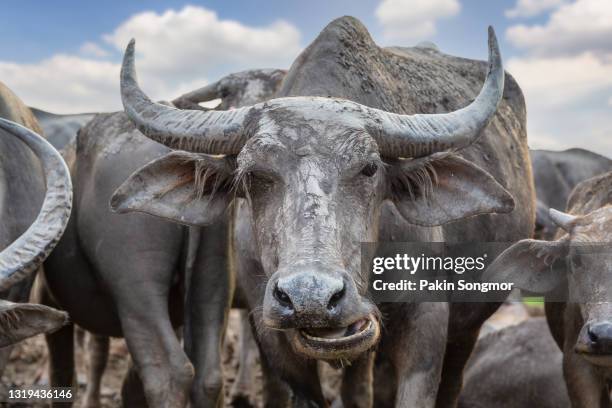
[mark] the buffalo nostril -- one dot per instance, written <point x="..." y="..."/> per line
<point x="336" y="298"/>
<point x="600" y="334"/>
<point x="282" y="297"/>
<point x="593" y="337"/>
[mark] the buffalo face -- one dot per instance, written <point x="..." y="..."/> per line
<point x="582" y="261"/>
<point x="315" y="188"/>
<point x="314" y="172"/>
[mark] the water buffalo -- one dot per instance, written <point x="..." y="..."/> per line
<point x="555" y="174"/>
<point x="60" y="130"/>
<point x="235" y="90"/>
<point x="577" y="267"/>
<point x="35" y="203"/>
<point x="515" y="367"/>
<point x="133" y="271"/>
<point x="341" y="157"/>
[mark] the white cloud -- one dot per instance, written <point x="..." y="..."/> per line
<point x="412" y="20"/>
<point x="65" y="83"/>
<point x="177" y="51"/>
<point x="194" y="40"/>
<point x="531" y="8"/>
<point x="567" y="100"/>
<point x="566" y="76"/>
<point x="562" y="81"/>
<point x="93" y="49"/>
<point x="580" y="26"/>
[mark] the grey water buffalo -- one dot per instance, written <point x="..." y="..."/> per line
<point x="35" y="203"/>
<point x="555" y="174"/>
<point x="60" y="130"/>
<point x="515" y="367"/>
<point x="235" y="90"/>
<point x="361" y="144"/>
<point x="135" y="271"/>
<point x="576" y="267"/>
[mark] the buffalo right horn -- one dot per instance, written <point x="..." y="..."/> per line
<point x="27" y="253"/>
<point x="423" y="134"/>
<point x="214" y="132"/>
<point x="562" y="220"/>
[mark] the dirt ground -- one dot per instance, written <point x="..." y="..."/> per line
<point x="28" y="366"/>
<point x="28" y="361"/>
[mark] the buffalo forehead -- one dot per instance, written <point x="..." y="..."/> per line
<point x="291" y="134"/>
<point x="591" y="194"/>
<point x="594" y="227"/>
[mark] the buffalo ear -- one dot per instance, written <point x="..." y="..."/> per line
<point x="187" y="188"/>
<point x="442" y="188"/>
<point x="18" y="321"/>
<point x="530" y="265"/>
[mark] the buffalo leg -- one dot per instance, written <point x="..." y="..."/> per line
<point x="241" y="390"/>
<point x="465" y="322"/>
<point x="357" y="391"/>
<point x="61" y="350"/>
<point x="415" y="344"/>
<point x="163" y="367"/>
<point x="97" y="347"/>
<point x="61" y="358"/>
<point x="584" y="386"/>
<point x="464" y="326"/>
<point x="276" y="393"/>
<point x="132" y="391"/>
<point x="457" y="354"/>
<point x="283" y="370"/>
<point x="207" y="307"/>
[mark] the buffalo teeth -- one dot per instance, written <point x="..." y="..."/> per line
<point x="345" y="333"/>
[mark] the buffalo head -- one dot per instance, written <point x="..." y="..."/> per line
<point x="314" y="172"/>
<point x="581" y="260"/>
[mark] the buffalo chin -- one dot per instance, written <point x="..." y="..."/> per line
<point x="595" y="358"/>
<point x="344" y="343"/>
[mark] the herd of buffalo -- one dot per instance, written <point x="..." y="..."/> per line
<point x="152" y="223"/>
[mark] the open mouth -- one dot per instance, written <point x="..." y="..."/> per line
<point x="339" y="343"/>
<point x="593" y="356"/>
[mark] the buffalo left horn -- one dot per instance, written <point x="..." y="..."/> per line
<point x="27" y="253"/>
<point x="214" y="132"/>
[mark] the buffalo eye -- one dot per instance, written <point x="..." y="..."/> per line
<point x="260" y="179"/>
<point x="369" y="169"/>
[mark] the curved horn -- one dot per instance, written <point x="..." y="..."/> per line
<point x="214" y="132"/>
<point x="26" y="254"/>
<point x="420" y="135"/>
<point x="204" y="94"/>
<point x="562" y="220"/>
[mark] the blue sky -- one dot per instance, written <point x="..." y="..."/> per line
<point x="64" y="56"/>
<point x="33" y="30"/>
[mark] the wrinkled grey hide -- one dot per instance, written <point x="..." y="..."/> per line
<point x="555" y="174"/>
<point x="516" y="367"/>
<point x="317" y="172"/>
<point x="582" y="327"/>
<point x="60" y="130"/>
<point x="133" y="272"/>
<point x="27" y="232"/>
